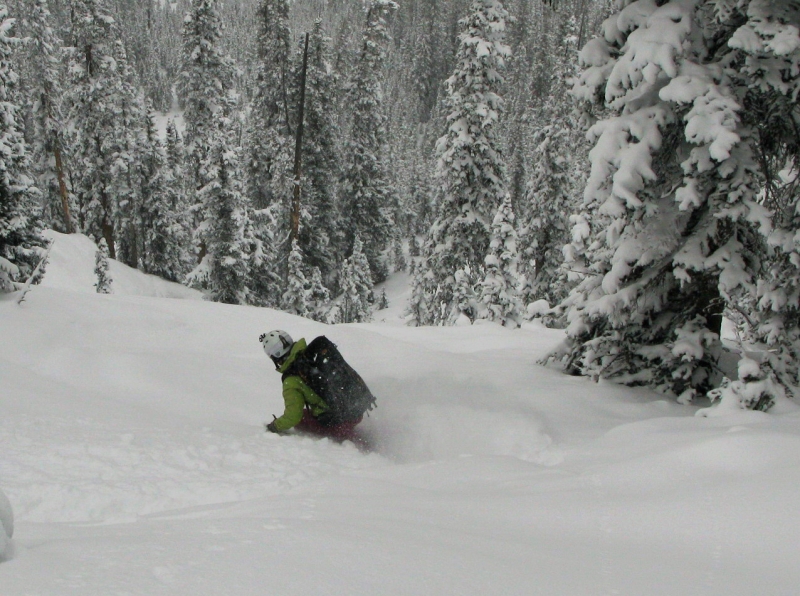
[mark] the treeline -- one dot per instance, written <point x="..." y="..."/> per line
<point x="208" y="201"/>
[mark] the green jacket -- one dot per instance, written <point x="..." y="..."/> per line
<point x="296" y="394"/>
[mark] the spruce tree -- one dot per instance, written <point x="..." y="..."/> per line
<point x="47" y="74"/>
<point x="666" y="230"/>
<point x="766" y="45"/>
<point x="127" y="167"/>
<point x="383" y="301"/>
<point x="205" y="87"/>
<point x="319" y="298"/>
<point x="164" y="227"/>
<point x="269" y="131"/>
<point x="223" y="271"/>
<point x="102" y="121"/>
<point x="320" y="227"/>
<point x="397" y="256"/>
<point x="356" y="283"/>
<point x="268" y="154"/>
<point x="295" y="298"/>
<point x="265" y="282"/>
<point x="104" y="279"/>
<point x="179" y="186"/>
<point x="499" y="290"/>
<point x="470" y="168"/>
<point x="21" y="241"/>
<point x="175" y="151"/>
<point x="556" y="178"/>
<point x="366" y="196"/>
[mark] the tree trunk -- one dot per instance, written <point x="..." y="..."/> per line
<point x="298" y="149"/>
<point x="62" y="188"/>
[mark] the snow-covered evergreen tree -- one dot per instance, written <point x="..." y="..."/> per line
<point x="470" y="167"/>
<point x="356" y="283"/>
<point x="556" y="178"/>
<point x="164" y="227"/>
<point x="366" y="195"/>
<point x="224" y="269"/>
<point x="500" y="287"/>
<point x="128" y="171"/>
<point x="270" y="144"/>
<point x="104" y="279"/>
<point x="175" y="151"/>
<point x="766" y="50"/>
<point x="295" y="298"/>
<point x="265" y="283"/>
<point x="102" y="121"/>
<point x="320" y="226"/>
<point x="666" y="227"/>
<point x="397" y="257"/>
<point x="383" y="300"/>
<point x="45" y="56"/>
<point x="319" y="298"/>
<point x="179" y="184"/>
<point x="206" y="87"/>
<point x="21" y="241"/>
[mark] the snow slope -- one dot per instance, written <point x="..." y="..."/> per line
<point x="133" y="453"/>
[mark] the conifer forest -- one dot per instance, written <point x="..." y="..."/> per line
<point x="627" y="171"/>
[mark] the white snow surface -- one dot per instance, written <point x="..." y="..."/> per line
<point x="133" y="453"/>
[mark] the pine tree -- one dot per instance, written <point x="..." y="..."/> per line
<point x="224" y="269"/>
<point x="295" y="298"/>
<point x="206" y="88"/>
<point x="102" y="121"/>
<point x="556" y="180"/>
<point x="467" y="305"/>
<point x="319" y="298"/>
<point x="45" y="88"/>
<point x="383" y="300"/>
<point x="766" y="45"/>
<point x="397" y="257"/>
<point x="127" y="167"/>
<point x="366" y="196"/>
<point x="21" y="241"/>
<point x="320" y="227"/>
<point x="356" y="283"/>
<point x="104" y="280"/>
<point x="269" y="133"/>
<point x="667" y="225"/>
<point x="265" y="282"/>
<point x="178" y="187"/>
<point x="175" y="151"/>
<point x="499" y="291"/>
<point x="164" y="227"/>
<point x="471" y="167"/>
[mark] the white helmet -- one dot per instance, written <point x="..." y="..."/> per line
<point x="276" y="343"/>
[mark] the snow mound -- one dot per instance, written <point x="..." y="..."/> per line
<point x="71" y="267"/>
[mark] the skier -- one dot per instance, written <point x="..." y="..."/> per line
<point x="305" y="409"/>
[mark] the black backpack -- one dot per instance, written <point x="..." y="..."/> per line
<point x="322" y="367"/>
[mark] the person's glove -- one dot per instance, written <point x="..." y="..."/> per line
<point x="271" y="426"/>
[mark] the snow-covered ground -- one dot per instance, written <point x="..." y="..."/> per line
<point x="133" y="453"/>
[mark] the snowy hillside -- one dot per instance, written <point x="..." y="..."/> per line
<point x="133" y="454"/>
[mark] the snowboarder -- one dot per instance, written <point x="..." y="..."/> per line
<point x="339" y="397"/>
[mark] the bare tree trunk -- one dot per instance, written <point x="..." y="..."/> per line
<point x="62" y="188"/>
<point x="298" y="148"/>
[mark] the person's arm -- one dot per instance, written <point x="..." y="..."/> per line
<point x="294" y="404"/>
